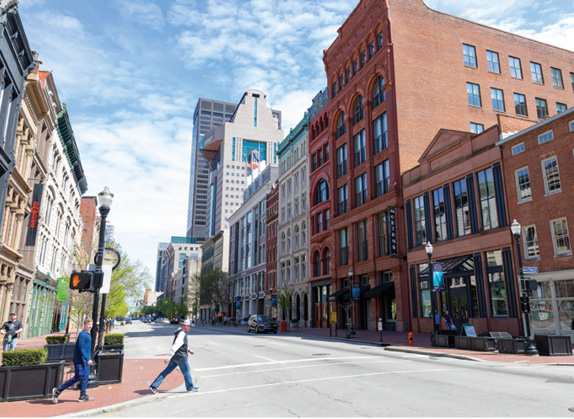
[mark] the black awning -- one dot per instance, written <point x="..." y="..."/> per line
<point x="341" y="295"/>
<point x="453" y="265"/>
<point x="380" y="290"/>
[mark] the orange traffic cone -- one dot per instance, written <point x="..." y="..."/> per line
<point x="411" y="339"/>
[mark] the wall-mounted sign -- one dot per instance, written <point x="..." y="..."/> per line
<point x="392" y="231"/>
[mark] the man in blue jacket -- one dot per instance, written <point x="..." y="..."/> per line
<point x="82" y="361"/>
<point x="178" y="353"/>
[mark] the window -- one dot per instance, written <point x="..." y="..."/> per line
<point x="496" y="284"/>
<point x="363" y="244"/>
<point x="383" y="247"/>
<point x="497" y="97"/>
<point x="371" y="49"/>
<point x="518" y="148"/>
<point x="343" y="195"/>
<point x="473" y="92"/>
<point x="379" y="41"/>
<point x="487" y="199"/>
<point x="420" y="221"/>
<point x="493" y="63"/>
<point x="355" y="67"/>
<point x="341" y="125"/>
<point x="476" y="128"/>
<point x="363" y="58"/>
<point x="361" y="189"/>
<point x="551" y="176"/>
<point x="522" y="177"/>
<point x="342" y="160"/>
<point x="326" y="217"/>
<point x="322" y="191"/>
<point x="571" y="126"/>
<point x="319" y="158"/>
<point x="343" y="247"/>
<point x="379" y="92"/>
<point x="326" y="152"/>
<point x="469" y="53"/>
<point x="314" y="162"/>
<point x="334" y="89"/>
<point x="560" y="107"/>
<point x="317" y="263"/>
<point x="360" y="148"/>
<point x="439" y="215"/>
<point x="557" y="78"/>
<point x="319" y="218"/>
<point x="383" y="178"/>
<point x="380" y="133"/>
<point x="530" y="238"/>
<point x="358" y="112"/>
<point x="541" y="108"/>
<point x="572" y="80"/>
<point x="348" y="74"/>
<point x="520" y="104"/>
<point x="461" y="208"/>
<point x="560" y="237"/>
<point x="547" y="136"/>
<point x="515" y="67"/>
<point x="536" y="70"/>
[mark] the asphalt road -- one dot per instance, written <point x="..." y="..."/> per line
<point x="247" y="375"/>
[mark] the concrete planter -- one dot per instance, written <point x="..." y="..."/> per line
<point x="30" y="381"/>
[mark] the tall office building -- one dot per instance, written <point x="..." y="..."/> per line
<point x="208" y="114"/>
<point x="254" y="130"/>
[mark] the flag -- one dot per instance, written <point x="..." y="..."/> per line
<point x="253" y="159"/>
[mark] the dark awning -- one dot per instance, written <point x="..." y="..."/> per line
<point x="380" y="290"/>
<point x="341" y="295"/>
<point x="460" y="263"/>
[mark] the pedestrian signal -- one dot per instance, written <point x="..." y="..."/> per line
<point x="81" y="281"/>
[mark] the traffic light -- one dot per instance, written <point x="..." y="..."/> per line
<point x="81" y="281"/>
<point x="525" y="303"/>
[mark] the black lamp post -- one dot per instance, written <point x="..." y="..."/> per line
<point x="525" y="296"/>
<point x="105" y="199"/>
<point x="429" y="250"/>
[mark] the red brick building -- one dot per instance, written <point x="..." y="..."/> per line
<point x="539" y="174"/>
<point x="398" y="72"/>
<point x="272" y="227"/>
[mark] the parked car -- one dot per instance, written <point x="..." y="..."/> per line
<point x="261" y="324"/>
<point x="128" y="320"/>
<point x="165" y="321"/>
<point x="159" y="320"/>
<point x="145" y="320"/>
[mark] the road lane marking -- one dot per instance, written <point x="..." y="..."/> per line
<point x="254" y="364"/>
<point x="310" y="380"/>
<point x="267" y="359"/>
<point x="213" y="343"/>
<point x="298" y="367"/>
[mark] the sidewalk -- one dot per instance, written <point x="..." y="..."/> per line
<point x="137" y="373"/>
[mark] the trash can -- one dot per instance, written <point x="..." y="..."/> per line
<point x="283" y="325"/>
<point x="110" y="365"/>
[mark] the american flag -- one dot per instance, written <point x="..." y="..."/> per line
<point x="253" y="159"/>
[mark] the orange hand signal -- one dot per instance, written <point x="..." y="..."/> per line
<point x="76" y="280"/>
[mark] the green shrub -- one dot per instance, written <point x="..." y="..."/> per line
<point x="51" y="340"/>
<point x="20" y="357"/>
<point x="114" y="339"/>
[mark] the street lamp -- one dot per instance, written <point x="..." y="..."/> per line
<point x="429" y="250"/>
<point x="525" y="297"/>
<point x="350" y="331"/>
<point x="105" y="199"/>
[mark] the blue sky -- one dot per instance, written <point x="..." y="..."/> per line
<point x="131" y="71"/>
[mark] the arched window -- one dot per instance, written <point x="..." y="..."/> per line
<point x="317" y="263"/>
<point x="327" y="262"/>
<point x="341" y="125"/>
<point x="379" y="92"/>
<point x="296" y="239"/>
<point x="283" y="243"/>
<point x="358" y="113"/>
<point x="322" y="191"/>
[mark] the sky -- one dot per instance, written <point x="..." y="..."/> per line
<point x="131" y="71"/>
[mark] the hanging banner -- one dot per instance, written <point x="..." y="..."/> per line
<point x="63" y="289"/>
<point x="438" y="276"/>
<point x="356" y="291"/>
<point x="34" y="213"/>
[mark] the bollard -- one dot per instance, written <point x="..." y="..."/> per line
<point x="411" y="339"/>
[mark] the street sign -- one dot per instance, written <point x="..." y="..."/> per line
<point x="530" y="270"/>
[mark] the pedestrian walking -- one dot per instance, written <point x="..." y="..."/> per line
<point x="178" y="354"/>
<point x="11" y="330"/>
<point x="82" y="362"/>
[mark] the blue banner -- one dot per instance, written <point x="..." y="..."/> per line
<point x="438" y="276"/>
<point x="356" y="291"/>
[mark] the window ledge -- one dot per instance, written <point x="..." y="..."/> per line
<point x="566" y="254"/>
<point x="524" y="201"/>
<point x="553" y="192"/>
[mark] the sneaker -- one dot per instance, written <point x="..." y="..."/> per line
<point x="153" y="389"/>
<point x="85" y="399"/>
<point x="55" y="395"/>
<point x="194" y="389"/>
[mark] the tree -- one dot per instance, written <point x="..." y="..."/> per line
<point x="128" y="282"/>
<point x="284" y="300"/>
<point x="214" y="289"/>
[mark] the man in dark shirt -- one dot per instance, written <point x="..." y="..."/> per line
<point x="82" y="361"/>
<point x="178" y="353"/>
<point x="11" y="330"/>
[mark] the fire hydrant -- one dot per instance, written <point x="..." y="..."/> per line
<point x="411" y="339"/>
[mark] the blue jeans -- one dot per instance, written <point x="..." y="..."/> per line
<point x="185" y="370"/>
<point x="82" y="374"/>
<point x="10" y="346"/>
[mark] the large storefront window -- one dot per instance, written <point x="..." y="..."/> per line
<point x="552" y="307"/>
<point x="424" y="291"/>
<point x="496" y="284"/>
